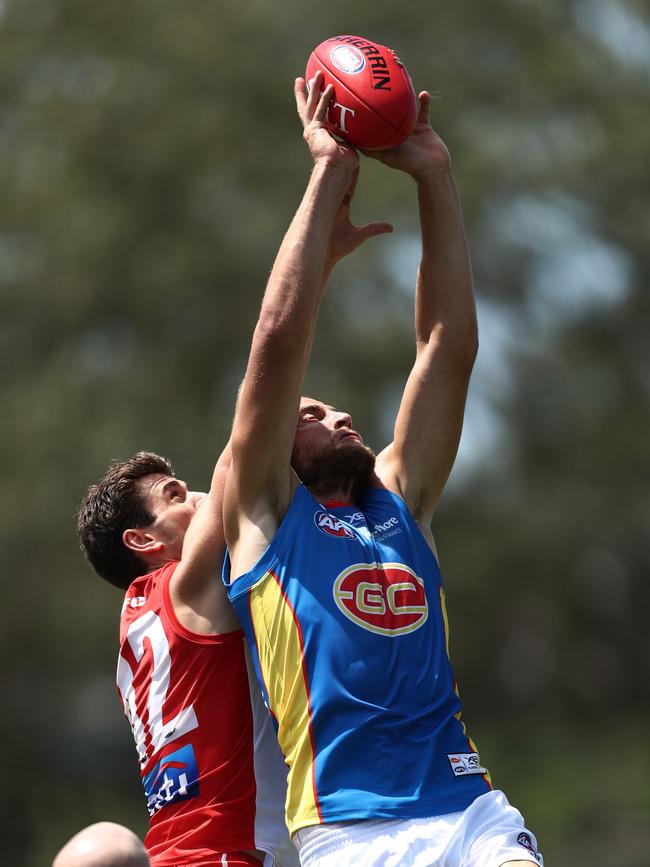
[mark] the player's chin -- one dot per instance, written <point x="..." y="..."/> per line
<point x="355" y="445"/>
<point x="351" y="442"/>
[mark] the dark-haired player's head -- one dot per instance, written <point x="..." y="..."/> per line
<point x="328" y="454"/>
<point x="135" y="518"/>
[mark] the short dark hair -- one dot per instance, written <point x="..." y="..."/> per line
<point x="112" y="506"/>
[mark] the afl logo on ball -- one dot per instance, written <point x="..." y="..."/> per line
<point x="387" y="598"/>
<point x="347" y="59"/>
<point x="331" y="526"/>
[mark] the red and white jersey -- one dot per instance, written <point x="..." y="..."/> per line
<point x="187" y="698"/>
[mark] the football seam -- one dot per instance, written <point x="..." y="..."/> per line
<point x="409" y="83"/>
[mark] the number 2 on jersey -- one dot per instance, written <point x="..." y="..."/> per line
<point x="154" y="733"/>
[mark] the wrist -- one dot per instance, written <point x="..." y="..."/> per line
<point x="430" y="170"/>
<point x="335" y="165"/>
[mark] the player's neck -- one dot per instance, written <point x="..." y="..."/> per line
<point x="157" y="562"/>
<point x="335" y="497"/>
<point x="345" y="495"/>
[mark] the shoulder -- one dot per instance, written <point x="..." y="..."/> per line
<point x="391" y="473"/>
<point x="387" y="471"/>
<point x="145" y="594"/>
<point x="394" y="499"/>
<point x="267" y="530"/>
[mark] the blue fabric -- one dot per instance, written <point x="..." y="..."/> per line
<point x="383" y="705"/>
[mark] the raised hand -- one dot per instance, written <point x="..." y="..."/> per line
<point x="422" y="150"/>
<point x="346" y="237"/>
<point x="313" y="104"/>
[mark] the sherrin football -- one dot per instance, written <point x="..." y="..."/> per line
<point x="374" y="105"/>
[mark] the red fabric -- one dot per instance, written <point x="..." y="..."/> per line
<point x="186" y="697"/>
<point x="225" y="859"/>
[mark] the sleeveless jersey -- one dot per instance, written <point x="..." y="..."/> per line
<point x="345" y="616"/>
<point x="190" y="705"/>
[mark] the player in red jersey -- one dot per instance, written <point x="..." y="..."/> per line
<point x="182" y="674"/>
<point x="212" y="770"/>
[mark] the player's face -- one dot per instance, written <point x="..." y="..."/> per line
<point x="174" y="506"/>
<point x="328" y="452"/>
<point x="322" y="424"/>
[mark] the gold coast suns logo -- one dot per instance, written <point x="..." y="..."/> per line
<point x="387" y="598"/>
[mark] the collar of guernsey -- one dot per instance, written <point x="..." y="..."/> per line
<point x="345" y="617"/>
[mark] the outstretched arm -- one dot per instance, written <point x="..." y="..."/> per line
<point x="259" y="486"/>
<point x="427" y="431"/>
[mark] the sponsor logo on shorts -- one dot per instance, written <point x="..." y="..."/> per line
<point x="386" y="598"/>
<point x="348" y="59"/>
<point x="463" y="764"/>
<point x="331" y="526"/>
<point x="174" y="778"/>
<point x="525" y="840"/>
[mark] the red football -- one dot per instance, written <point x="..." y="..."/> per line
<point x="374" y="106"/>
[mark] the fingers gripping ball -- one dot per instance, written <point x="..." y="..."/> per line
<point x="374" y="106"/>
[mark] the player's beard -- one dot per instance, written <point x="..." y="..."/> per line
<point x="344" y="467"/>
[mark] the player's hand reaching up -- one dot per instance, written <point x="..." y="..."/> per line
<point x="312" y="104"/>
<point x="421" y="152"/>
<point x="345" y="237"/>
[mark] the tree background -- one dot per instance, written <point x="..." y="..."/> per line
<point x="150" y="160"/>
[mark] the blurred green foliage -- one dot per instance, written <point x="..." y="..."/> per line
<point x="150" y="160"/>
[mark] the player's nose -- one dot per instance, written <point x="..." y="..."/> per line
<point x="342" y="419"/>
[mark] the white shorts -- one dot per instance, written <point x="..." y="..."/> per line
<point x="283" y="856"/>
<point x="487" y="834"/>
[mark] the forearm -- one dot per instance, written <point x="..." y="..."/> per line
<point x="283" y="336"/>
<point x="325" y="276"/>
<point x="444" y="293"/>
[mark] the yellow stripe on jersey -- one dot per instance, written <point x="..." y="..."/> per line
<point x="473" y="747"/>
<point x="285" y="679"/>
<point x="443" y="608"/>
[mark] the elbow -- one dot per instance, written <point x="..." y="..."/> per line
<point x="460" y="347"/>
<point x="464" y="357"/>
<point x="472" y="345"/>
<point x="269" y="325"/>
<point x="275" y="333"/>
<point x="466" y="349"/>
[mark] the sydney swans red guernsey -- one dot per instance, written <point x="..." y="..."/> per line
<point x="186" y="697"/>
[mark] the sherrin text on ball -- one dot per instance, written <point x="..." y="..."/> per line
<point x="374" y="105"/>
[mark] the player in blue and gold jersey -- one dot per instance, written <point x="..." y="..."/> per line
<point x="332" y="566"/>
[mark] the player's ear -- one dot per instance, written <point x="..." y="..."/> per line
<point x="141" y="542"/>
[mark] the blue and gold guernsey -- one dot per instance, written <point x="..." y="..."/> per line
<point x="345" y="616"/>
